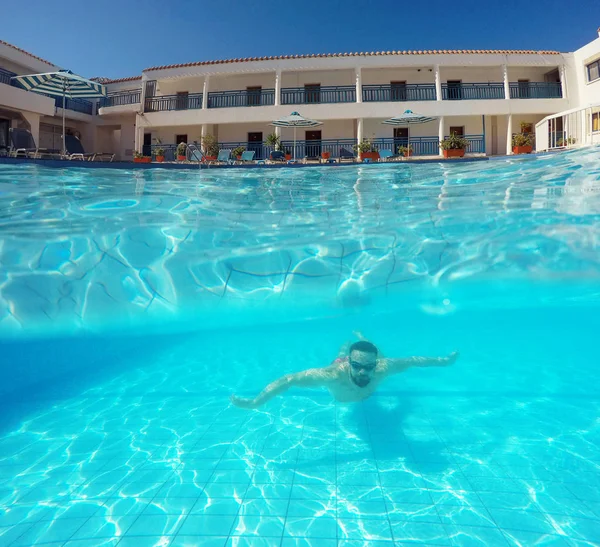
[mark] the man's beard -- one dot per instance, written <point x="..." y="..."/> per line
<point x="361" y="382"/>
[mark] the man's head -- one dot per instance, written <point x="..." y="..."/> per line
<point x="363" y="360"/>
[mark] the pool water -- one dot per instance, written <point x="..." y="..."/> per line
<point x="133" y="304"/>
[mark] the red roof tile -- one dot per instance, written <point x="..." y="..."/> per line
<point x="362" y="54"/>
<point x="118" y="80"/>
<point x="26" y="52"/>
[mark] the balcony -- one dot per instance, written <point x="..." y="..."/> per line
<point x="244" y="97"/>
<point x="318" y="94"/>
<point x="76" y="105"/>
<point x="398" y="93"/>
<point x="121" y="99"/>
<point x="470" y="92"/>
<point x="173" y="102"/>
<point x="535" y="90"/>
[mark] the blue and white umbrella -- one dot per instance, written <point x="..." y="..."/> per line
<point x="295" y="120"/>
<point x="63" y="84"/>
<point x="409" y="118"/>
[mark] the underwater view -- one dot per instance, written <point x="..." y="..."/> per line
<point x="342" y="356"/>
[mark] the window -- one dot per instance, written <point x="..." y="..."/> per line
<point x="459" y="131"/>
<point x="181" y="100"/>
<point x="180" y="138"/>
<point x="593" y="71"/>
<point x="253" y="95"/>
<point x="595" y="121"/>
<point x="312" y="93"/>
<point x="455" y="90"/>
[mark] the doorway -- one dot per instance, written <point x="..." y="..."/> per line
<point x="313" y="144"/>
<point x="400" y="138"/>
<point x="253" y="96"/>
<point x="255" y="144"/>
<point x="455" y="90"/>
<point x="147" y="147"/>
<point x="4" y="145"/>
<point x="312" y="93"/>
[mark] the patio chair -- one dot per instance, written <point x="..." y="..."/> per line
<point x="224" y="156"/>
<point x="22" y="142"/>
<point x="196" y="154"/>
<point x="247" y="156"/>
<point x="385" y="155"/>
<point x="277" y="155"/>
<point x="345" y="154"/>
<point x="75" y="151"/>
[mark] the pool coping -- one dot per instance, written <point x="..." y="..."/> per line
<point x="190" y="166"/>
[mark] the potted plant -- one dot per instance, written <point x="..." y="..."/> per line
<point x="286" y="151"/>
<point x="159" y="154"/>
<point x="181" y="151"/>
<point x="210" y="147"/>
<point x="405" y="151"/>
<point x="526" y="127"/>
<point x="454" y="146"/>
<point x="273" y="140"/>
<point x="325" y="155"/>
<point x="140" y="158"/>
<point x="522" y="144"/>
<point x="366" y="150"/>
<point x="564" y="142"/>
<point x="237" y="152"/>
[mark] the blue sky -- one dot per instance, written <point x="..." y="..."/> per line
<point x="117" y="39"/>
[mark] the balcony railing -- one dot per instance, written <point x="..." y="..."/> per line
<point x="244" y="97"/>
<point x="173" y="102"/>
<point x="427" y="146"/>
<point x="318" y="95"/>
<point x="391" y="93"/>
<point x="120" y="99"/>
<point x="5" y="78"/>
<point x="469" y="92"/>
<point x="535" y="90"/>
<point x="76" y="105"/>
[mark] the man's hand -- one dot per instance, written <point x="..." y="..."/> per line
<point x="451" y="359"/>
<point x="242" y="402"/>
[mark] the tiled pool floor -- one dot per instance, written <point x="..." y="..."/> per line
<point x="177" y="471"/>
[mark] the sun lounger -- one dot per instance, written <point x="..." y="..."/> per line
<point x="345" y="154"/>
<point x="195" y="154"/>
<point x="22" y="143"/>
<point x="224" y="156"/>
<point x="277" y="155"/>
<point x="385" y="155"/>
<point x="247" y="157"/>
<point x="75" y="151"/>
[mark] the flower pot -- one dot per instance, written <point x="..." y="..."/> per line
<point x="325" y="155"/>
<point x="454" y="153"/>
<point x="288" y="157"/>
<point x="142" y="160"/>
<point x="239" y="157"/>
<point x="159" y="159"/>
<point x="209" y="158"/>
<point x="408" y="154"/>
<point x="373" y="156"/>
<point x="181" y="158"/>
<point x="522" y="149"/>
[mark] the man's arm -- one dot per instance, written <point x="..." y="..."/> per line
<point x="316" y="377"/>
<point x="396" y="366"/>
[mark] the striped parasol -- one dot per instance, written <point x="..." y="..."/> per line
<point x="409" y="118"/>
<point x="295" y="120"/>
<point x="63" y="84"/>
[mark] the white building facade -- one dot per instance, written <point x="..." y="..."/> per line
<point x="486" y="96"/>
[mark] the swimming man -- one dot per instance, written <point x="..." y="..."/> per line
<point x="352" y="377"/>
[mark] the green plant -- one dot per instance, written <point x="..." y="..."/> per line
<point x="404" y="150"/>
<point x="526" y="127"/>
<point x="181" y="149"/>
<point x="238" y="151"/>
<point x="137" y="155"/>
<point x="210" y="145"/>
<point x="454" y="142"/>
<point x="565" y="142"/>
<point x="364" y="147"/>
<point x="521" y="140"/>
<point x="274" y="140"/>
<point x="160" y="151"/>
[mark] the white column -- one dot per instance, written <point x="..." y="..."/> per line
<point x="139" y="134"/>
<point x="358" y="74"/>
<point x="441" y="133"/>
<point x="278" y="131"/>
<point x="506" y="82"/>
<point x="509" y="131"/>
<point x="563" y="81"/>
<point x="438" y="82"/>
<point x="205" y="93"/>
<point x="277" y="88"/>
<point x="203" y="131"/>
<point x="359" y="130"/>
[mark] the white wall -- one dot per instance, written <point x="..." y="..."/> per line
<point x="416" y="75"/>
<point x="588" y="92"/>
<point x="325" y="78"/>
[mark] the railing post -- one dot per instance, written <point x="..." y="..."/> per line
<point x="358" y="75"/>
<point x="563" y="81"/>
<point x="278" y="87"/>
<point x="441" y="134"/>
<point x="509" y="136"/>
<point x="438" y="83"/>
<point x="506" y="82"/>
<point x="359" y="130"/>
<point x="205" y="92"/>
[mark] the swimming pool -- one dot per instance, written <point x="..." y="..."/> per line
<point x="134" y="303"/>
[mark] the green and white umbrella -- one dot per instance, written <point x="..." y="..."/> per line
<point x="295" y="120"/>
<point x="63" y="84"/>
<point x="409" y="118"/>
